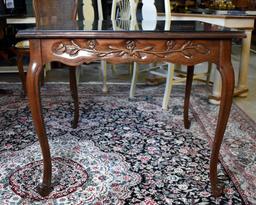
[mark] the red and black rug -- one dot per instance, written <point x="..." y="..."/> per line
<point x="124" y="151"/>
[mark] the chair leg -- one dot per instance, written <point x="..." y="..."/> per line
<point x="74" y="93"/>
<point x="134" y="80"/>
<point x="189" y="80"/>
<point x="113" y="69"/>
<point x="209" y="71"/>
<point x="42" y="77"/>
<point x="78" y="74"/>
<point x="21" y="70"/>
<point x="104" y="76"/>
<point x="168" y="86"/>
<point x="130" y="69"/>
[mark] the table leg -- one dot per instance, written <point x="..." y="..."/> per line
<point x="33" y="91"/>
<point x="227" y="76"/>
<point x="216" y="90"/>
<point x="189" y="80"/>
<point x="242" y="87"/>
<point x="74" y="94"/>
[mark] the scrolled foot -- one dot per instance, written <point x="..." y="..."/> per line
<point x="214" y="101"/>
<point x="105" y="89"/>
<point x="74" y="124"/>
<point x="187" y="124"/>
<point x="218" y="191"/>
<point x="44" y="190"/>
<point x="241" y="93"/>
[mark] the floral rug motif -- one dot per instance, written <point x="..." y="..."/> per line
<point x="131" y="151"/>
<point x="81" y="175"/>
<point x="67" y="177"/>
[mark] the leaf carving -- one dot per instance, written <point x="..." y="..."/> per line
<point x="188" y="49"/>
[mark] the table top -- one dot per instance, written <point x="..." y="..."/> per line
<point x="128" y="29"/>
<point x="225" y="16"/>
<point x="233" y="13"/>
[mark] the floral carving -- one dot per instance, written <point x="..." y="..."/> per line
<point x="131" y="50"/>
<point x="187" y="49"/>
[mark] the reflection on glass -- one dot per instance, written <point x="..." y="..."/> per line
<point x="54" y="24"/>
<point x="149" y="15"/>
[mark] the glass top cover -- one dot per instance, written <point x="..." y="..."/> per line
<point x="52" y="27"/>
<point x="124" y="25"/>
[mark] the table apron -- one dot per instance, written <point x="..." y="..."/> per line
<point x="74" y="52"/>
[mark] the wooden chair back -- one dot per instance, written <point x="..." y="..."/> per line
<point x="149" y="10"/>
<point x="124" y="9"/>
<point x="90" y="10"/>
<point x="51" y="11"/>
<point x="150" y="14"/>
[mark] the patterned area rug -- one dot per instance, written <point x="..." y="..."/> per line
<point x="124" y="151"/>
